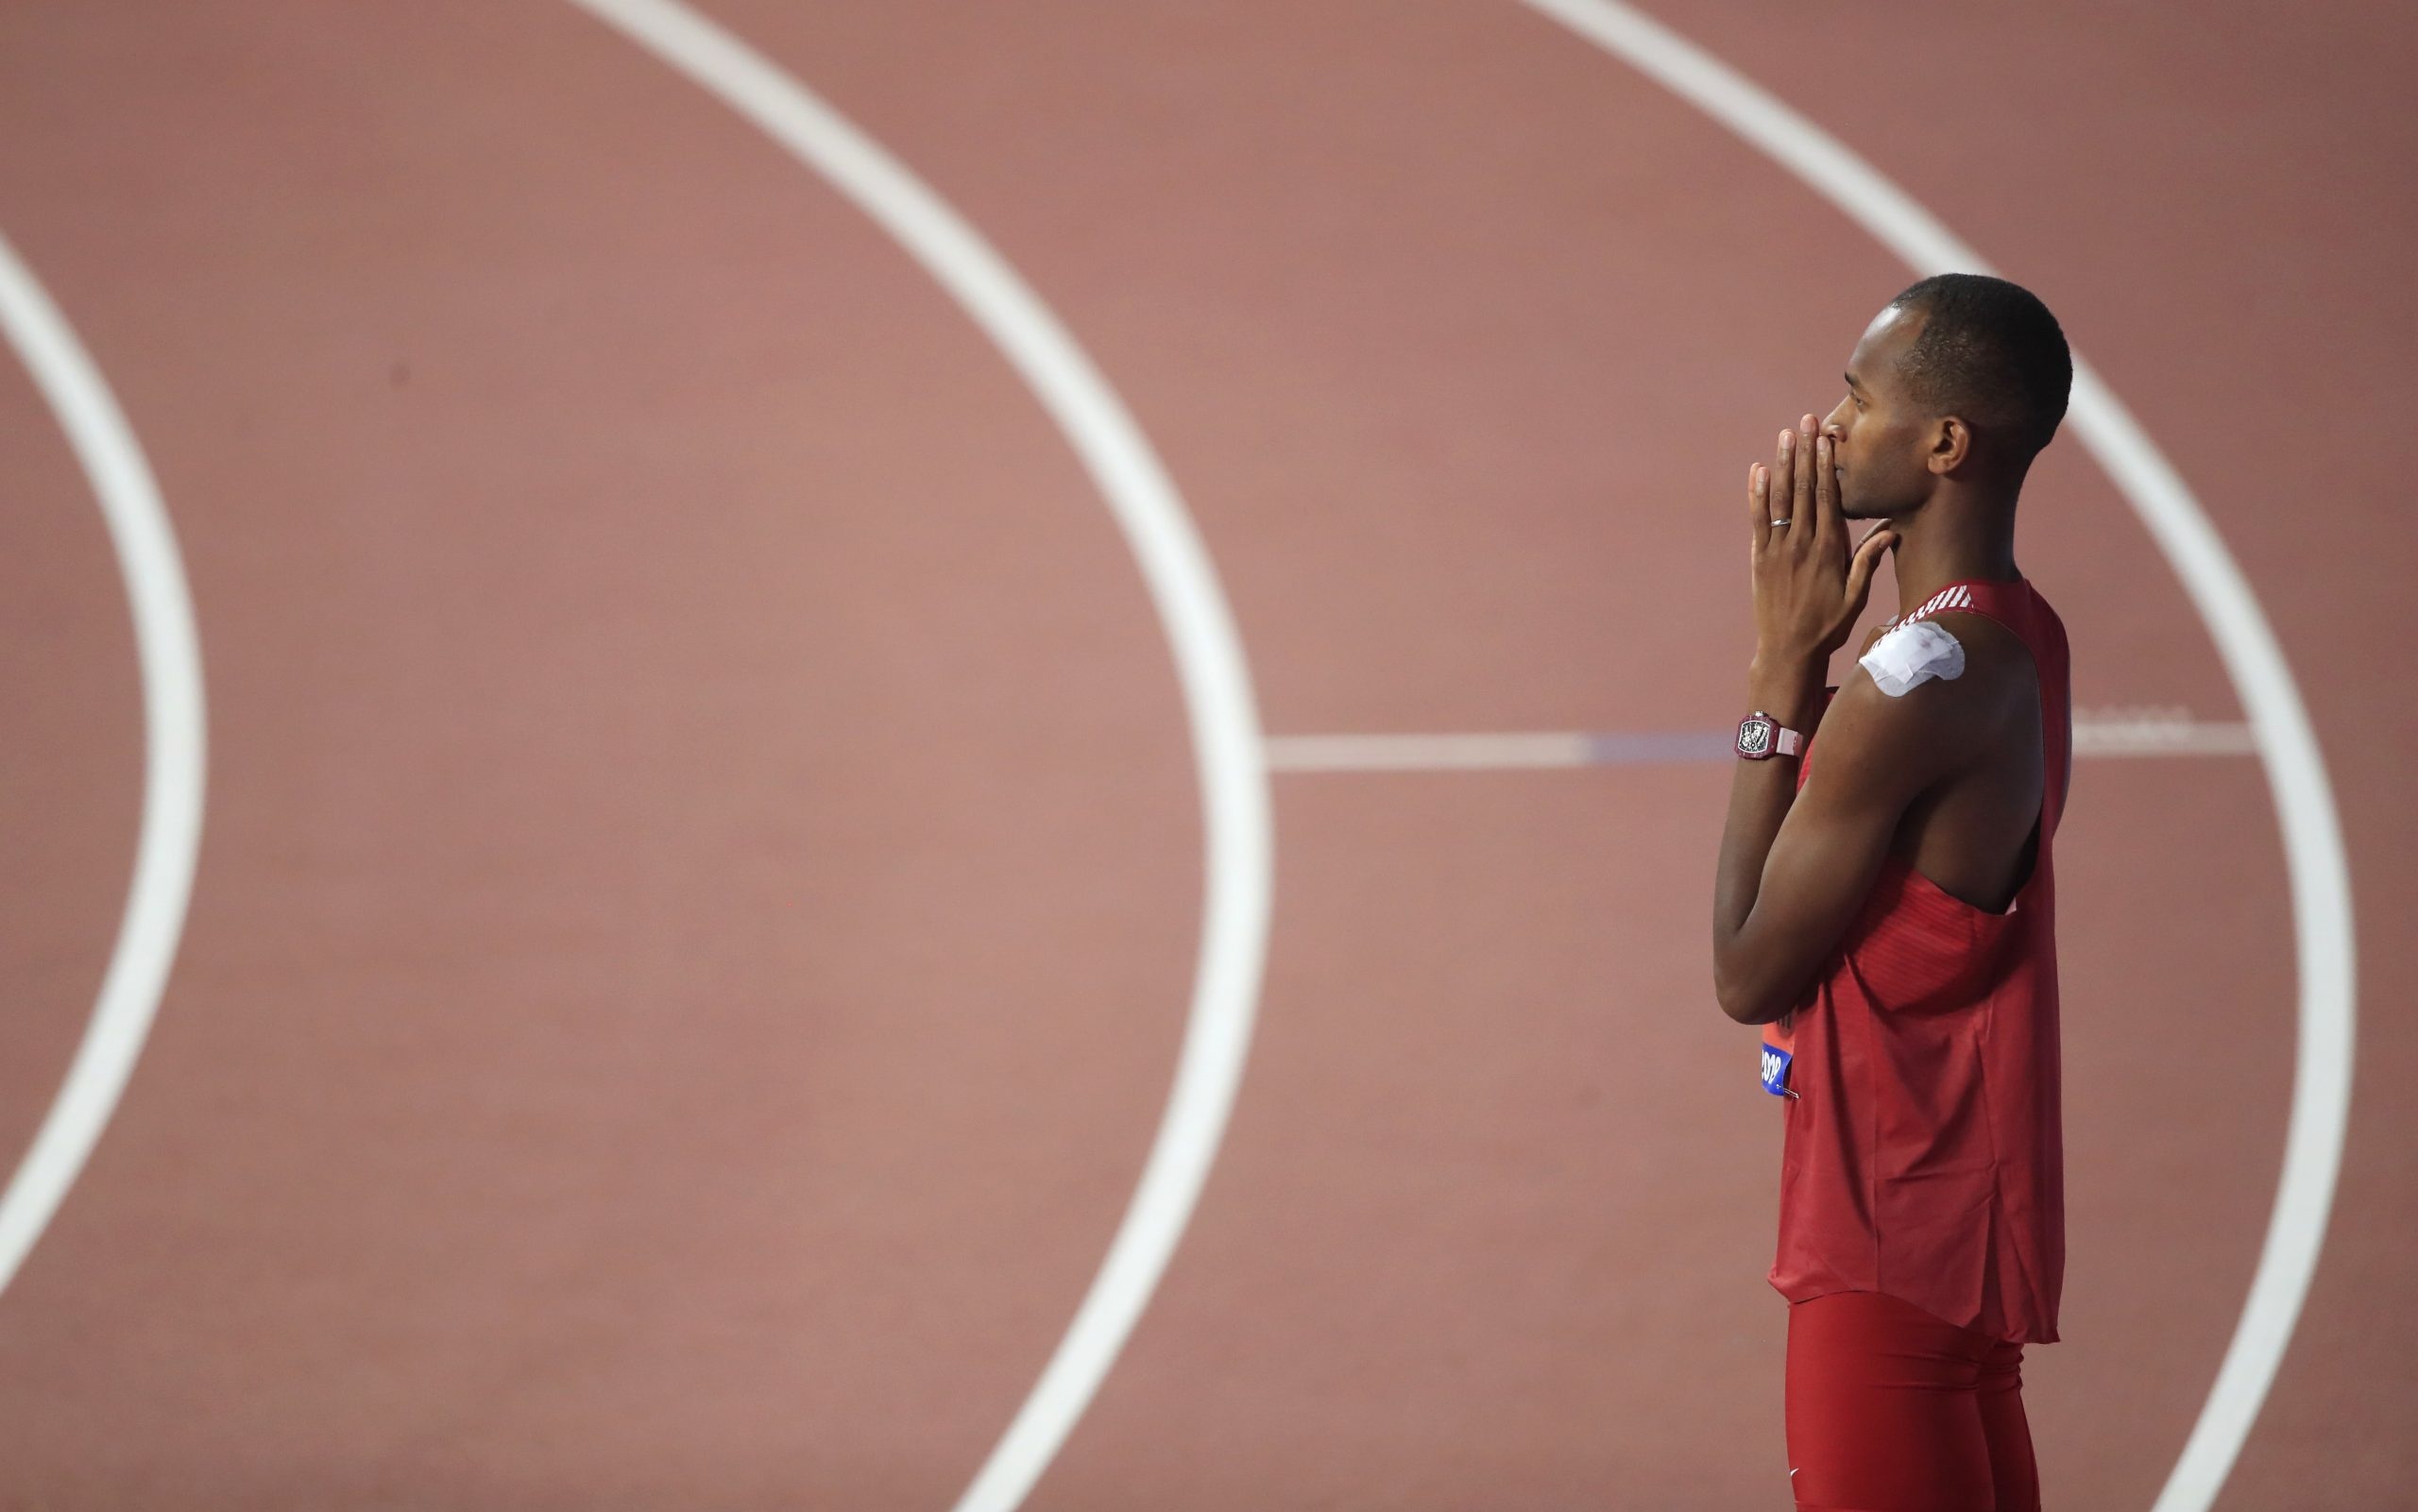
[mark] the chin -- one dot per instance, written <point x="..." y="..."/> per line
<point x="1855" y="506"/>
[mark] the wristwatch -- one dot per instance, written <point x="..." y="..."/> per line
<point x="1760" y="737"/>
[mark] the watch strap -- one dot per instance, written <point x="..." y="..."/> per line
<point x="1762" y="738"/>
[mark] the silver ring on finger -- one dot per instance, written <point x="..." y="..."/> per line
<point x="1776" y="524"/>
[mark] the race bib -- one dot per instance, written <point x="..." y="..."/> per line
<point x="1778" y="1053"/>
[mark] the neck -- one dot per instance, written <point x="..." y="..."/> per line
<point x="1962" y="534"/>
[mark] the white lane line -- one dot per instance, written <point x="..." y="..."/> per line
<point x="169" y="840"/>
<point x="1426" y="752"/>
<point x="2153" y="734"/>
<point x="2303" y="795"/>
<point x="1239" y="855"/>
<point x="2141" y="733"/>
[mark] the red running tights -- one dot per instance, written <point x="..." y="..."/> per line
<point x="1891" y="1410"/>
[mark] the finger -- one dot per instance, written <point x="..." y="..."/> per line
<point x="1868" y="554"/>
<point x="1825" y="488"/>
<point x="1801" y="485"/>
<point x="1759" y="511"/>
<point x="1783" y="469"/>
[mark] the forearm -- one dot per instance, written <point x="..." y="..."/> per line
<point x="1789" y="688"/>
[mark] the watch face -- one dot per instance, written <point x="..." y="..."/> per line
<point x="1755" y="737"/>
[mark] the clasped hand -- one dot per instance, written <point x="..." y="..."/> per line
<point x="1809" y="587"/>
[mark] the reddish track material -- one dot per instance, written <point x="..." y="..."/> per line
<point x="702" y="866"/>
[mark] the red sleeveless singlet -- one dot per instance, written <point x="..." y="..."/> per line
<point x="1923" y="1156"/>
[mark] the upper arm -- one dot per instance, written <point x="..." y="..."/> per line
<point x="1879" y="754"/>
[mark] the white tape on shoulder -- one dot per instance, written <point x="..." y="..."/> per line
<point x="1913" y="655"/>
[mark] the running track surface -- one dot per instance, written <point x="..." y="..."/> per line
<point x="702" y="864"/>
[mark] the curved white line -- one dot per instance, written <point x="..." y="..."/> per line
<point x="2320" y="876"/>
<point x="1209" y="663"/>
<point x="170" y="839"/>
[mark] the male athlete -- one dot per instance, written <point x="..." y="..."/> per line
<point x="1887" y="910"/>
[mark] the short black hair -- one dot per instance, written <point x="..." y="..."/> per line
<point x="1989" y="351"/>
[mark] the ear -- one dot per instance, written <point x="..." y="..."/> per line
<point x="1952" y="443"/>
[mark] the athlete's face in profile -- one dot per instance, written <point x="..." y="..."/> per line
<point x="1880" y="434"/>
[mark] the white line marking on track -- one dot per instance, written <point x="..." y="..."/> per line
<point x="169" y="840"/>
<point x="1429" y="752"/>
<point x="1239" y="858"/>
<point x="2136" y="733"/>
<point x="2157" y="733"/>
<point x="2320" y="875"/>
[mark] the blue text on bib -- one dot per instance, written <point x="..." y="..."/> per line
<point x="1775" y="1062"/>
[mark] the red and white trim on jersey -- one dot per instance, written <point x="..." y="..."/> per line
<point x="1957" y="596"/>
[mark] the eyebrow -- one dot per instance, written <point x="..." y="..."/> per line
<point x="1851" y="383"/>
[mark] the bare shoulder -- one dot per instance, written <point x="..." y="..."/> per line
<point x="1942" y="692"/>
<point x="2000" y="680"/>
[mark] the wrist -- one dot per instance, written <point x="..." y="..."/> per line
<point x="1786" y="667"/>
<point x="1787" y="685"/>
